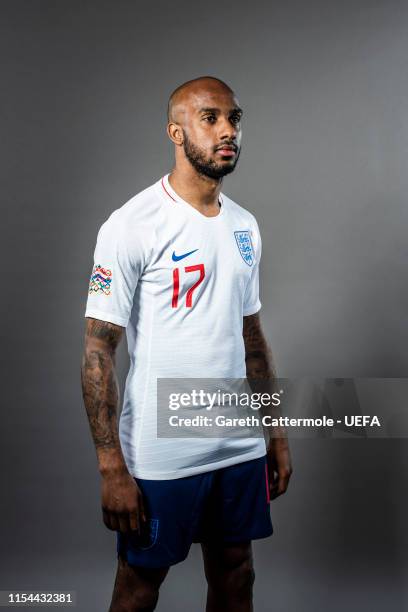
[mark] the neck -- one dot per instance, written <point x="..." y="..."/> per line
<point x="200" y="191"/>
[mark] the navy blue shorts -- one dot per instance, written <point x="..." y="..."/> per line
<point x="227" y="505"/>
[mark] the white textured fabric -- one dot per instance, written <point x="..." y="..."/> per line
<point x="195" y="334"/>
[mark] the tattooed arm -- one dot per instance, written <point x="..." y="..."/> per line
<point x="260" y="367"/>
<point x="122" y="502"/>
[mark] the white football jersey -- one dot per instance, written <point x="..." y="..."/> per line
<point x="181" y="283"/>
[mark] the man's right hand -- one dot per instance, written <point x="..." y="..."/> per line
<point x="122" y="503"/>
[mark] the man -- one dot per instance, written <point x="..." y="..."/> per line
<point x="178" y="267"/>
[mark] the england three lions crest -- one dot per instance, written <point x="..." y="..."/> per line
<point x="244" y="244"/>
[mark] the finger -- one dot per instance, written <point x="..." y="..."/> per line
<point x="106" y="518"/>
<point x="274" y="478"/>
<point x="283" y="483"/>
<point x="276" y="484"/>
<point x="114" y="521"/>
<point x="136" y="515"/>
<point x="133" y="521"/>
<point x="273" y="483"/>
<point x="123" y="520"/>
<point x="142" y="509"/>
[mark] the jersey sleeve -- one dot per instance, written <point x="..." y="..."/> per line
<point x="118" y="263"/>
<point x="252" y="302"/>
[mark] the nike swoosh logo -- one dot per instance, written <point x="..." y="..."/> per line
<point x="178" y="257"/>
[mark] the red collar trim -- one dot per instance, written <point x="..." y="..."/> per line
<point x="170" y="196"/>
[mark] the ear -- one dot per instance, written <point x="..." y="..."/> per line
<point x="175" y="133"/>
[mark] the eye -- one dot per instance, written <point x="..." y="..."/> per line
<point x="210" y="118"/>
<point x="236" y="118"/>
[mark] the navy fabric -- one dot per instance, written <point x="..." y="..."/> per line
<point x="227" y="505"/>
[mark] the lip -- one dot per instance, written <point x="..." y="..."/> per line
<point x="226" y="151"/>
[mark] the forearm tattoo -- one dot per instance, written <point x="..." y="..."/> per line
<point x="258" y="357"/>
<point x="260" y="368"/>
<point x="100" y="387"/>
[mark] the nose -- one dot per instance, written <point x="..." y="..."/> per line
<point x="227" y="129"/>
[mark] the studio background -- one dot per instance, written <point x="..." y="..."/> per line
<point x="323" y="167"/>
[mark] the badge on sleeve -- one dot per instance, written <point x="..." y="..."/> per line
<point x="244" y="244"/>
<point x="101" y="280"/>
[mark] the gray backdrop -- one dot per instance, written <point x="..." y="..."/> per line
<point x="323" y="167"/>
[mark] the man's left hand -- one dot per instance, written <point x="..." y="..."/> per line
<point x="279" y="465"/>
